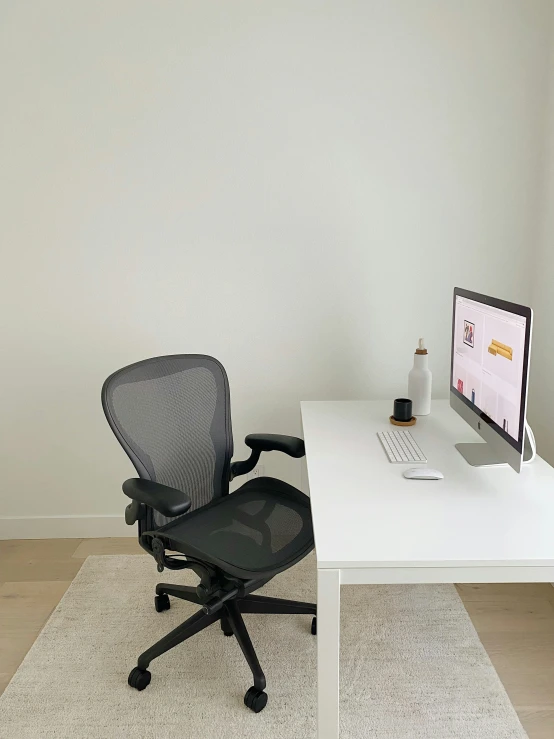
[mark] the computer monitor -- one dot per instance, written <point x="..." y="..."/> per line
<point x="491" y="343"/>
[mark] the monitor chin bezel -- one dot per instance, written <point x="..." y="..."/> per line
<point x="500" y="452"/>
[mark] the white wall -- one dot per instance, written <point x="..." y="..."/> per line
<point x="541" y="400"/>
<point x="293" y="187"/>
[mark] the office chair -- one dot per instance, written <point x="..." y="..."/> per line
<point x="172" y="417"/>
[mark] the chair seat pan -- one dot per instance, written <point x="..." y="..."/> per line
<point x="259" y="530"/>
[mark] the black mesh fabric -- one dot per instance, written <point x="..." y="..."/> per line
<point x="171" y="415"/>
<point x="262" y="527"/>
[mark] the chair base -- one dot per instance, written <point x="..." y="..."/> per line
<point x="232" y="624"/>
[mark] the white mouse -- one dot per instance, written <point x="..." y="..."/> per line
<point x="423" y="473"/>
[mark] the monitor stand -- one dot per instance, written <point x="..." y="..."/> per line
<point x="480" y="454"/>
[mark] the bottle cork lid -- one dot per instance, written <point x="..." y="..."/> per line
<point x="421" y="348"/>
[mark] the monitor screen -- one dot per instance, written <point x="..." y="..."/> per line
<point x="488" y="362"/>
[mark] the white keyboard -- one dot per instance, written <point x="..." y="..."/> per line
<point x="400" y="447"/>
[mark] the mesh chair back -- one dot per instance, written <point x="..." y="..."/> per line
<point x="172" y="417"/>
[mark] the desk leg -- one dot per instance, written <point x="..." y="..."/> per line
<point x="328" y="648"/>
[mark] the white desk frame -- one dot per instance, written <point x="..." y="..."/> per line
<point x="372" y="526"/>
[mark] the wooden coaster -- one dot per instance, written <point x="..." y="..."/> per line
<point x="411" y="422"/>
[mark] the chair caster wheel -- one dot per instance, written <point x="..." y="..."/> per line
<point x="139" y="679"/>
<point x="226" y="627"/>
<point x="161" y="602"/>
<point x="314" y="625"/>
<point x="255" y="699"/>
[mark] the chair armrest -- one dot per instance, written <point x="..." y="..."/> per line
<point x="167" y="501"/>
<point x="259" y="443"/>
<point x="290" y="445"/>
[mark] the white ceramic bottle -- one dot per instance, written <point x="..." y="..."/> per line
<point x="420" y="381"/>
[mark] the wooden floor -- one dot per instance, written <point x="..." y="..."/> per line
<point x="515" y="622"/>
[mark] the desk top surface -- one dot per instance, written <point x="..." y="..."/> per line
<point x="366" y="514"/>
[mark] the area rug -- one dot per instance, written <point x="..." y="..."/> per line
<point x="412" y="666"/>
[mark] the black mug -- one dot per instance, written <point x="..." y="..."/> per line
<point x="402" y="409"/>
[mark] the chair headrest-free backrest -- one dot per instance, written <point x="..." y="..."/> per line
<point x="172" y="417"/>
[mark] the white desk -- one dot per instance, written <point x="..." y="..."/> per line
<point x="373" y="526"/>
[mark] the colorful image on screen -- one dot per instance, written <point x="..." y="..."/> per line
<point x="488" y="360"/>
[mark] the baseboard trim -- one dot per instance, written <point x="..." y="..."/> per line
<point x="64" y="527"/>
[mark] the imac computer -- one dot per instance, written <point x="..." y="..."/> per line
<point x="491" y="345"/>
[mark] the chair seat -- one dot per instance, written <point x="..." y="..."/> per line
<point x="259" y="530"/>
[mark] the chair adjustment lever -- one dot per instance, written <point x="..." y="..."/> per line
<point x="215" y="604"/>
<point x="134" y="512"/>
<point x="158" y="551"/>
